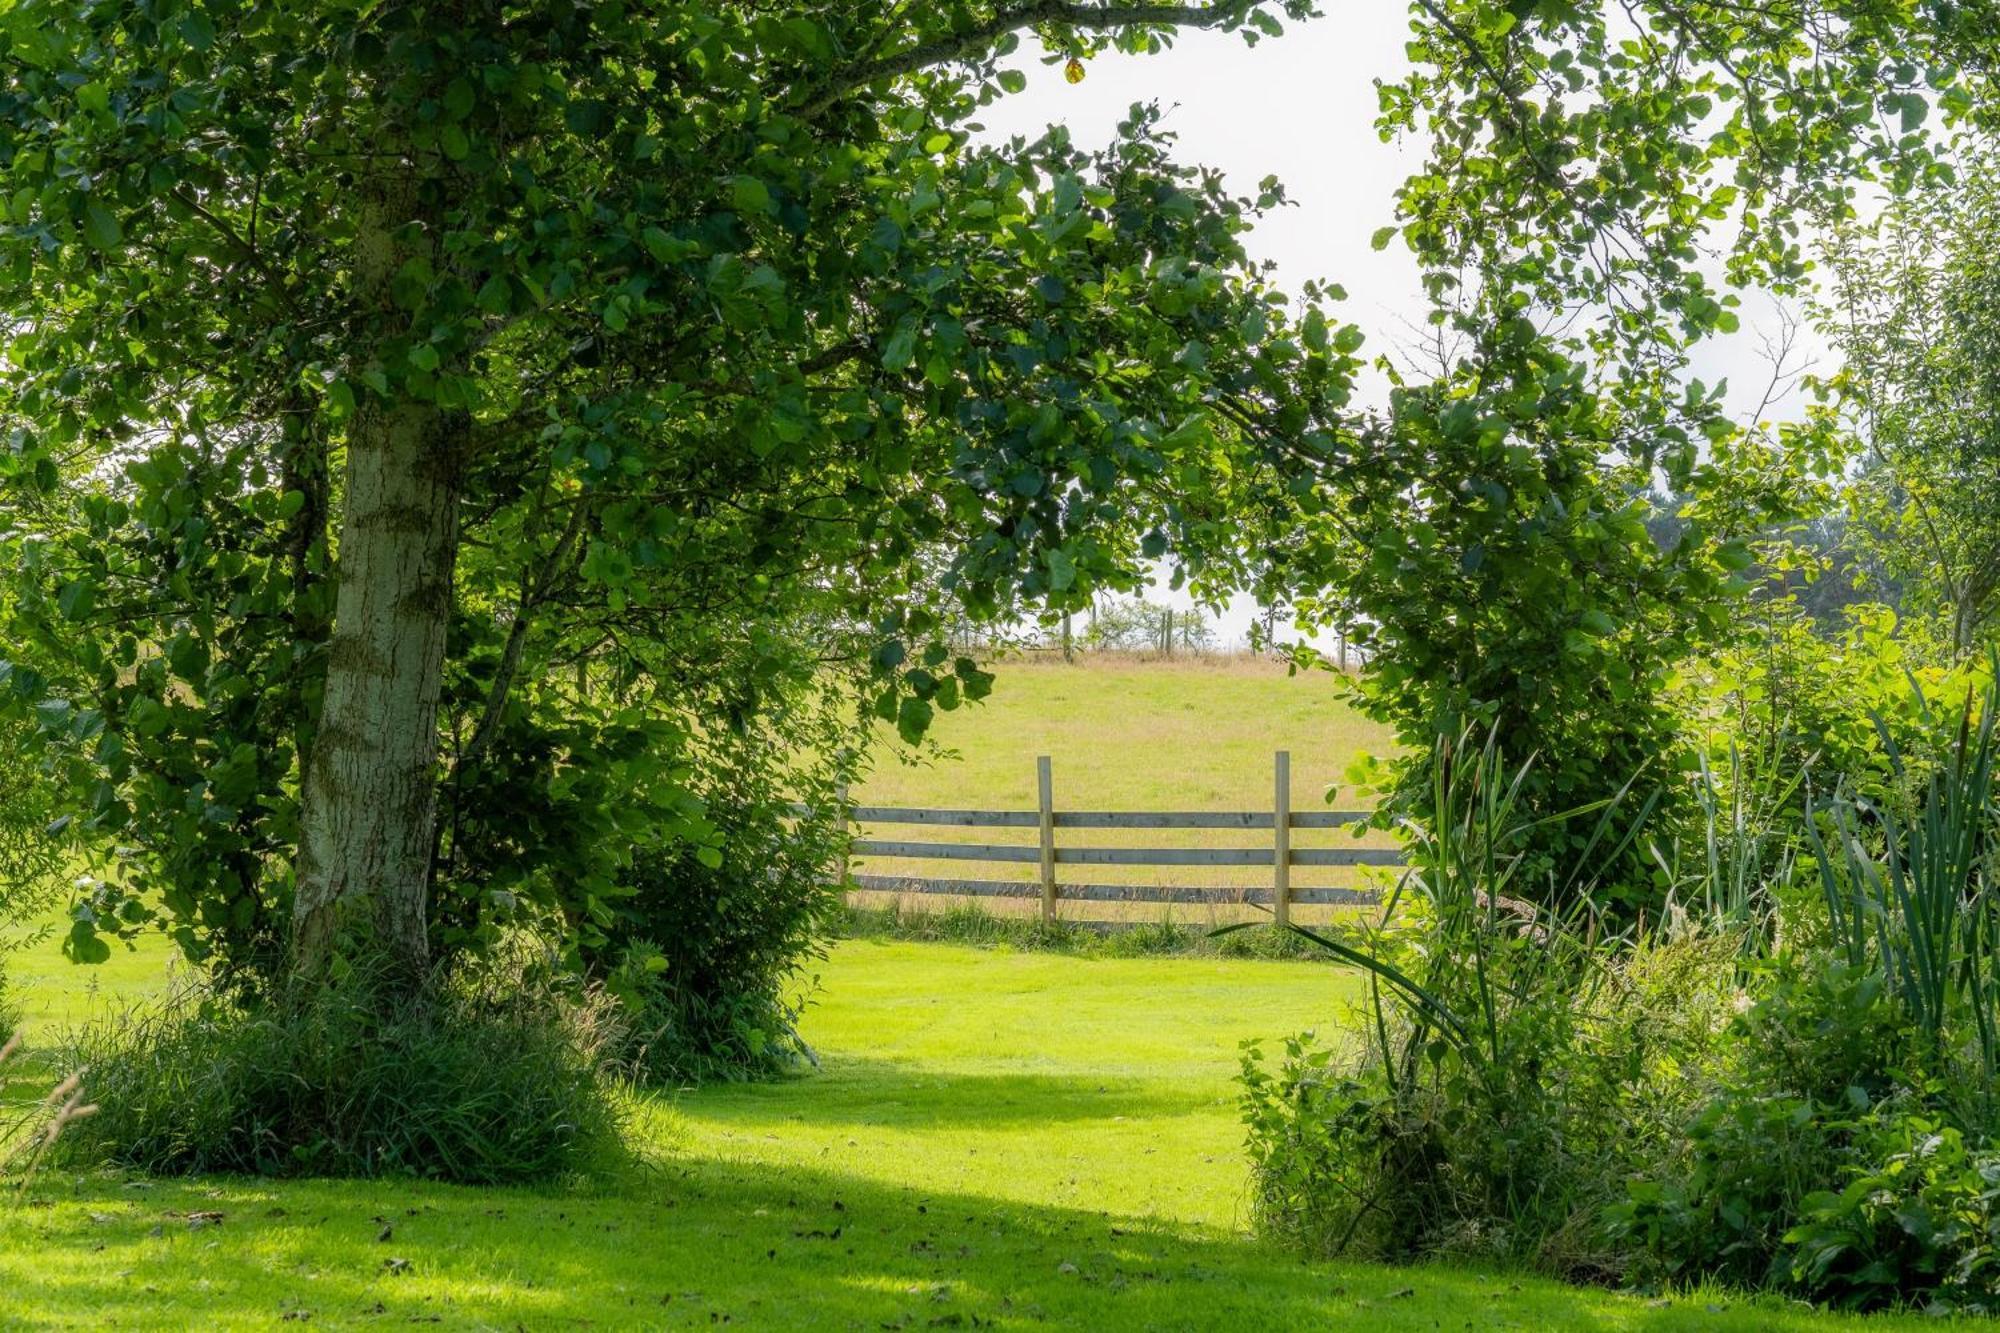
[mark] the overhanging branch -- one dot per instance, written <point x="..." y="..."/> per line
<point x="1012" y="18"/>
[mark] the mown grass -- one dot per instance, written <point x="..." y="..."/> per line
<point x="993" y="1139"/>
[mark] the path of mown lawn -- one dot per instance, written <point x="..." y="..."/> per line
<point x="994" y="1140"/>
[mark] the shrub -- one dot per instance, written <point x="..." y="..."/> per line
<point x="1918" y="1221"/>
<point x="476" y="1087"/>
<point x="706" y="951"/>
<point x="1508" y="1075"/>
<point x="1723" y="1204"/>
<point x="1847" y="1152"/>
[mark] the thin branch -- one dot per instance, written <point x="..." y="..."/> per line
<point x="1061" y="13"/>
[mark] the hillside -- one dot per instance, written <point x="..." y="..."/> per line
<point x="1131" y="734"/>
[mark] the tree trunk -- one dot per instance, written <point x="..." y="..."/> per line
<point x="370" y="791"/>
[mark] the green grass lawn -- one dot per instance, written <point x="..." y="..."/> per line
<point x="994" y="1139"/>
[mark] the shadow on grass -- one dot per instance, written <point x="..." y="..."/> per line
<point x="906" y="1095"/>
<point x="700" y="1242"/>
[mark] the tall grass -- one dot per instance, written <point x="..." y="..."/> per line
<point x="1489" y="1095"/>
<point x="1913" y="894"/>
<point x="30" y="1129"/>
<point x="480" y="1088"/>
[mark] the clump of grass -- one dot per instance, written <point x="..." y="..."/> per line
<point x="474" y="1087"/>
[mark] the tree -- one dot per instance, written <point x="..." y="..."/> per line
<point x="1600" y="182"/>
<point x="1915" y="311"/>
<point x="331" y="324"/>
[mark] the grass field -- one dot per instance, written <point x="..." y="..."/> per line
<point x="1128" y="734"/>
<point x="993" y="1140"/>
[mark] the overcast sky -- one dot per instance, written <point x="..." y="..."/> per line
<point x="1302" y="108"/>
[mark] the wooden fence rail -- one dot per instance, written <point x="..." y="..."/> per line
<point x="1280" y="855"/>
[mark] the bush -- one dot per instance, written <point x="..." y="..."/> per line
<point x="1511" y="1071"/>
<point x="1919" y="1220"/>
<point x="1724" y="1206"/>
<point x="707" y="951"/>
<point x="480" y="1088"/>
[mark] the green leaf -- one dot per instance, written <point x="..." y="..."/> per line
<point x="1013" y="81"/>
<point x="77" y="599"/>
<point x="901" y="348"/>
<point x="198" y="31"/>
<point x="100" y="227"/>
<point x="84" y="945"/>
<point x="913" y="719"/>
<point x="749" y="194"/>
<point x="1062" y="569"/>
<point x="496" y="296"/>
<point x="1383" y="235"/>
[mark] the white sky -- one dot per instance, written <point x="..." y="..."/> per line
<point x="1302" y="108"/>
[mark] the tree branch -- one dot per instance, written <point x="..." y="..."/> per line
<point x="1062" y="13"/>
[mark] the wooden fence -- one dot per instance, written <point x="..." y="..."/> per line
<point x="1046" y="855"/>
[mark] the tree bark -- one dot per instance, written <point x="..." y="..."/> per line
<point x="370" y="790"/>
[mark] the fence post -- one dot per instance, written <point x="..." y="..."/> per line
<point x="841" y="828"/>
<point x="1045" y="780"/>
<point x="1281" y="841"/>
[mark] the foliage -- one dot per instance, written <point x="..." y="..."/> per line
<point x="707" y="960"/>
<point x="1495" y="1097"/>
<point x="1922" y="913"/>
<point x="1139" y="625"/>
<point x="1793" y="699"/>
<point x="1579" y="159"/>
<point x="479" y="1086"/>
<point x="33" y="854"/>
<point x="1917" y="1219"/>
<point x="1914" y="310"/>
<point x="596" y="339"/>
<point x="1844" y="1151"/>
<point x="1786" y="1090"/>
<point x="1535" y="601"/>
